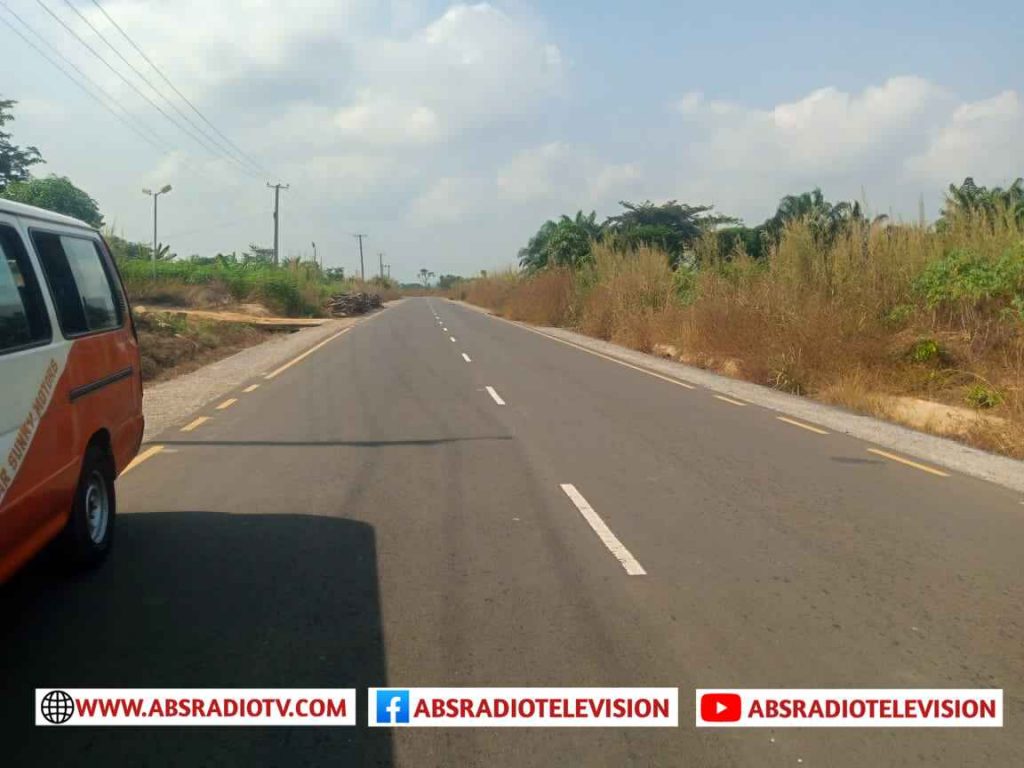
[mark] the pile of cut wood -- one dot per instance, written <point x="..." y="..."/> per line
<point x="348" y="304"/>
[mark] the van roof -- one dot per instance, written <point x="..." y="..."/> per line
<point x="41" y="214"/>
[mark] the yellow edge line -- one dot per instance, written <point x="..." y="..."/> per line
<point x="909" y="463"/>
<point x="227" y="403"/>
<point x="800" y="424"/>
<point x="729" y="400"/>
<point x="251" y="388"/>
<point x="670" y="380"/>
<point x="306" y="354"/>
<point x="146" y="454"/>
<point x="193" y="424"/>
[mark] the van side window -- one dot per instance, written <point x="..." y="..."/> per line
<point x="23" y="318"/>
<point x="84" y="289"/>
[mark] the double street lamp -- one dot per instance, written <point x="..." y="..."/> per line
<point x="163" y="190"/>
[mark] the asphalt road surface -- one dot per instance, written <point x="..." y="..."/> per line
<point x="390" y="510"/>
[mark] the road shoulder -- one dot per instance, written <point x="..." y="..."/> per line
<point x="171" y="402"/>
<point x="947" y="453"/>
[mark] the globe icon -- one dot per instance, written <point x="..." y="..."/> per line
<point x="57" y="707"/>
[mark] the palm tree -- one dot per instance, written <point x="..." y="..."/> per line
<point x="969" y="197"/>
<point x="534" y="256"/>
<point x="672" y="226"/>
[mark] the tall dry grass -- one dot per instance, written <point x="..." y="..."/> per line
<point x="859" y="321"/>
<point x="549" y="298"/>
<point x="623" y="295"/>
<point x="492" y="291"/>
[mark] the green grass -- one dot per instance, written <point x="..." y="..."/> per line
<point x="292" y="290"/>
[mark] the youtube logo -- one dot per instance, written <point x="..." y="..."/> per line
<point x="721" y="707"/>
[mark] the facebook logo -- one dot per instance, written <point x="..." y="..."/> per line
<point x="392" y="707"/>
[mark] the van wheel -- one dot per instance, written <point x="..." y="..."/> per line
<point x="89" y="533"/>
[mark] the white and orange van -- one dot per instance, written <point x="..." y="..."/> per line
<point x="70" y="387"/>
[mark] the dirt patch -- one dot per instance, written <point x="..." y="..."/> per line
<point x="251" y="314"/>
<point x="938" y="418"/>
<point x="174" y="343"/>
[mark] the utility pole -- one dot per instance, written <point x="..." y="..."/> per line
<point x="362" y="269"/>
<point x="314" y="253"/>
<point x="388" y="267"/>
<point x="277" y="202"/>
<point x="380" y="258"/>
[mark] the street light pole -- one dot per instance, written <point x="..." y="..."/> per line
<point x="163" y="190"/>
<point x="314" y="255"/>
<point x="277" y="204"/>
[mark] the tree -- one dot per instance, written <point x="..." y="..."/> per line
<point x="444" y="282"/>
<point x="826" y="220"/>
<point x="121" y="249"/>
<point x="534" y="256"/>
<point x="259" y="253"/>
<point x="970" y="197"/>
<point x="566" y="242"/>
<point x="14" y="161"/>
<point x="568" y="246"/>
<point x="425" y="275"/>
<point x="674" y="227"/>
<point x="752" y="240"/>
<point x="56" y="193"/>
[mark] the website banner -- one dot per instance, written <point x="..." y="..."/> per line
<point x="524" y="707"/>
<point x="850" y="708"/>
<point x="195" y="706"/>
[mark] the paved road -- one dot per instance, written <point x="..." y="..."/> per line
<point x="372" y="515"/>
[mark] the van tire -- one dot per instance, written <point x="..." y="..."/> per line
<point x="89" y="533"/>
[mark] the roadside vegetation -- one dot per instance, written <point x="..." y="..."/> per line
<point x="172" y="343"/>
<point x="293" y="289"/>
<point x="919" y="323"/>
<point x="249" y="282"/>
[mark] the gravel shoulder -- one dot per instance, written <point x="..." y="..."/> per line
<point x="947" y="453"/>
<point x="169" y="403"/>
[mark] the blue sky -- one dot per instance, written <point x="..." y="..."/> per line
<point x="449" y="132"/>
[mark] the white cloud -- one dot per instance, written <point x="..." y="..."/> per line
<point x="386" y="120"/>
<point x="349" y="169"/>
<point x="473" y="64"/>
<point x="984" y="139"/>
<point x="202" y="44"/>
<point x="447" y="200"/>
<point x="566" y="174"/>
<point x="828" y="128"/>
<point x="894" y="141"/>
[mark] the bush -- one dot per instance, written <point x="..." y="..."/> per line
<point x="983" y="396"/>
<point x="294" y="289"/>
<point x="965" y="277"/>
<point x="925" y="351"/>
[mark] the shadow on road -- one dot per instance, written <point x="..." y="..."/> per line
<point x="203" y="600"/>
<point x="341" y="443"/>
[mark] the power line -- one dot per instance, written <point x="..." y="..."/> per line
<point x="133" y="123"/>
<point x="171" y="85"/>
<point x="126" y="118"/>
<point x="124" y="79"/>
<point x="217" y="147"/>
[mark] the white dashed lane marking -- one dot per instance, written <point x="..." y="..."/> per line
<point x="604" y="533"/>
